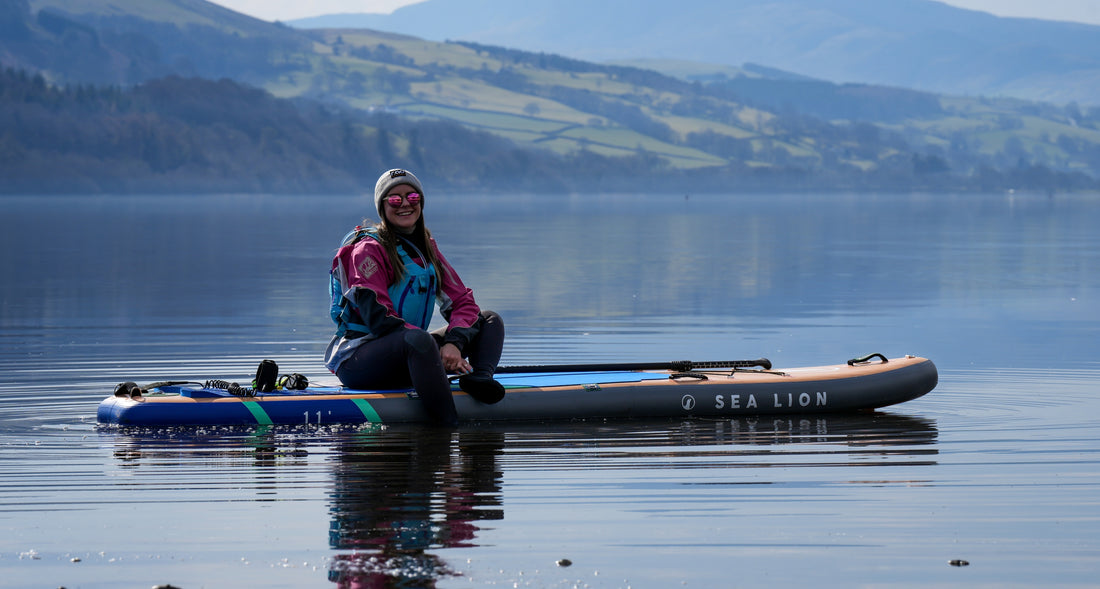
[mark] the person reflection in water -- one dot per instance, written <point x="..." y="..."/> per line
<point x="386" y="281"/>
<point x="399" y="494"/>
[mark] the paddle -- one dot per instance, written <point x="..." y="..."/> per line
<point x="679" y="366"/>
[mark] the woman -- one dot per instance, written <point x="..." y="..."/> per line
<point x="386" y="281"/>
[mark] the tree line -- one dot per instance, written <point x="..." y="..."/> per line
<point x="178" y="134"/>
<point x="195" y="135"/>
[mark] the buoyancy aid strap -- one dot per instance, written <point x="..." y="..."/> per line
<point x="358" y="233"/>
<point x="342" y="308"/>
<point x="414" y="297"/>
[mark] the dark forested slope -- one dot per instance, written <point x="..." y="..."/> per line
<point x="194" y="135"/>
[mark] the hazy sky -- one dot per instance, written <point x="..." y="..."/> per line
<point x="1087" y="11"/>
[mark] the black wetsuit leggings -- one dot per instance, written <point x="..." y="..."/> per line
<point x="410" y="357"/>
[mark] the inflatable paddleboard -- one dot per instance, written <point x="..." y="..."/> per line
<point x="862" y="384"/>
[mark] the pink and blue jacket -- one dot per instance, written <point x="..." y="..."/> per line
<point x="364" y="285"/>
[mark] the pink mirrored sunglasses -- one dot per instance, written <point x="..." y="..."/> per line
<point x="395" y="200"/>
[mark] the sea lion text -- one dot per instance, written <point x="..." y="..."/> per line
<point x="749" y="401"/>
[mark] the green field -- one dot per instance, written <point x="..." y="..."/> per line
<point x="676" y="111"/>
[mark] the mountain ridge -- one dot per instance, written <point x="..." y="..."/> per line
<point x="918" y="44"/>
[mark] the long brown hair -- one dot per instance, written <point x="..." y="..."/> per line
<point x="388" y="238"/>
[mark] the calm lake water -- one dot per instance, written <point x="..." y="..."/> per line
<point x="998" y="467"/>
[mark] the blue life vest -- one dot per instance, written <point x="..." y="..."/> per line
<point x="413" y="297"/>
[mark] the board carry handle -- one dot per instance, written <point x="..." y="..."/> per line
<point x="867" y="358"/>
<point x="678" y="366"/>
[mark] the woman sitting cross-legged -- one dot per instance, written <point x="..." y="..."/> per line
<point x="386" y="282"/>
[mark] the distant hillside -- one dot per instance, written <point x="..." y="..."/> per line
<point x="177" y="135"/>
<point x="336" y="103"/>
<point x="919" y="44"/>
<point x="129" y="41"/>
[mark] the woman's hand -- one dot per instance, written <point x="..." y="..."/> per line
<point x="453" y="361"/>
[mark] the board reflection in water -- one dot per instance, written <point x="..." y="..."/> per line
<point x="406" y="503"/>
<point x="403" y="496"/>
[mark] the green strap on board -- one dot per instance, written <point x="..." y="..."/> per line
<point x="368" y="411"/>
<point x="258" y="412"/>
<point x="262" y="418"/>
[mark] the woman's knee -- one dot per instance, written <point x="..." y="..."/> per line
<point x="492" y="318"/>
<point x="491" y="315"/>
<point x="421" y="342"/>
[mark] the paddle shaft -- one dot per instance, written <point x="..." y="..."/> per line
<point x="680" y="365"/>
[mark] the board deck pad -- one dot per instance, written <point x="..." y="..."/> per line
<point x="532" y="379"/>
<point x="512" y="380"/>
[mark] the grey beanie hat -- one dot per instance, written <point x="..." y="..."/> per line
<point x="392" y="178"/>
